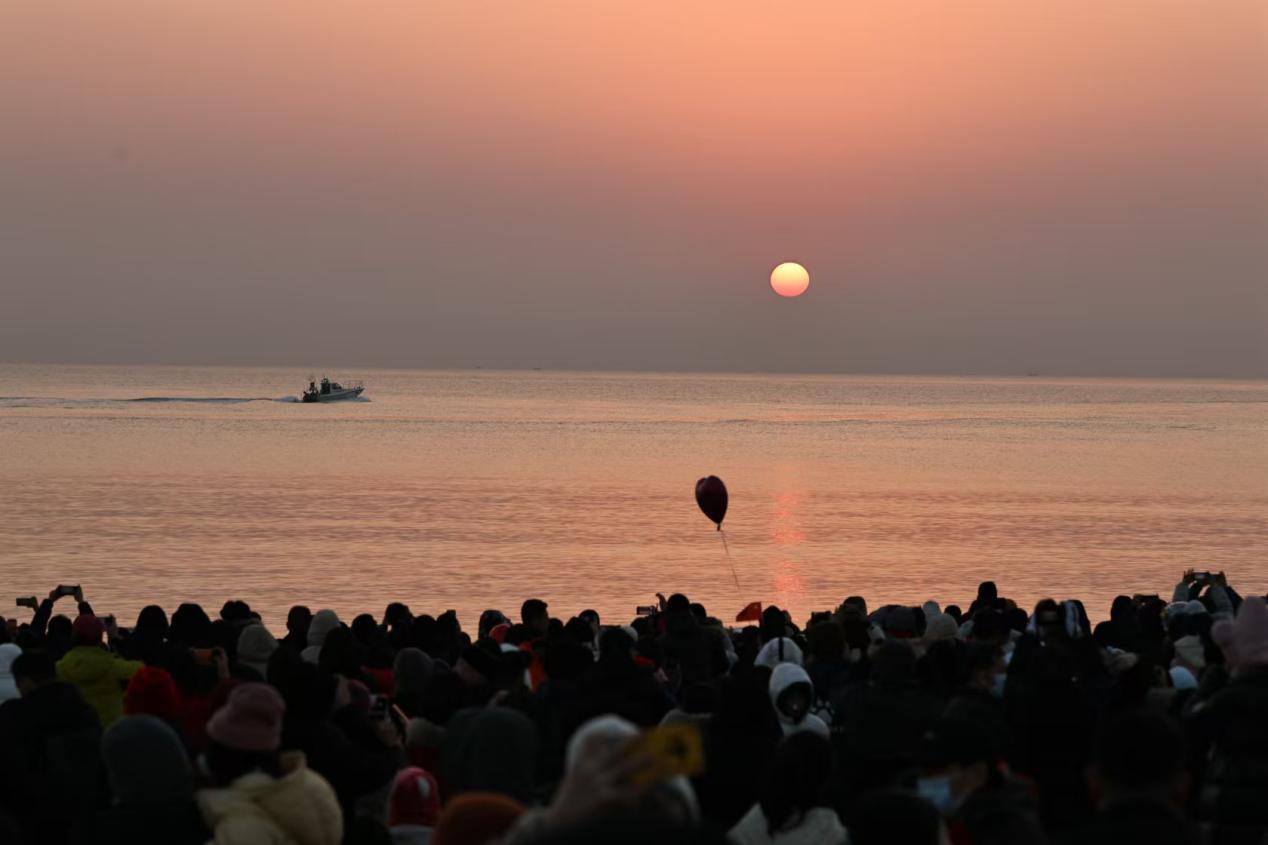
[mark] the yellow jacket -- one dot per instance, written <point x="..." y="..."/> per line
<point x="299" y="808"/>
<point x="99" y="675"/>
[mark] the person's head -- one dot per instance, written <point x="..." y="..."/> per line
<point x="297" y="621"/>
<point x="894" y="664"/>
<point x="857" y="604"/>
<point x="791" y="693"/>
<point x="1122" y="610"/>
<point x="476" y="817"/>
<point x="415" y="799"/>
<point x="146" y="763"/>
<point x="796" y="776"/>
<point x="397" y="613"/>
<point x="984" y="668"/>
<point x="535" y="617"/>
<point x="32" y="670"/>
<point x="591" y="618"/>
<point x="245" y="733"/>
<point x="989" y="626"/>
<point x="151" y="622"/>
<point x="489" y="620"/>
<point x="151" y="691"/>
<point x="235" y="610"/>
<point x="1139" y="755"/>
<point x="889" y="816"/>
<point x="826" y="641"/>
<point x="579" y="631"/>
<point x="88" y="630"/>
<point x="1049" y="619"/>
<point x="677" y="603"/>
<point x="958" y="757"/>
<point x="987" y="592"/>
<point x="340" y="653"/>
<point x="476" y="666"/>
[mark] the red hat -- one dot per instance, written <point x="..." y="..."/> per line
<point x="498" y="633"/>
<point x="415" y="799"/>
<point x="476" y="817"/>
<point x="151" y="691"/>
<point x="251" y="719"/>
<point x="88" y="629"/>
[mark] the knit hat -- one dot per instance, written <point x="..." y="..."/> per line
<point x="324" y="621"/>
<point x="415" y="799"/>
<point x="88" y="630"/>
<point x="1191" y="651"/>
<point x="251" y="719"/>
<point x="1182" y="678"/>
<point x="152" y="691"/>
<point x="498" y="633"/>
<point x="146" y="763"/>
<point x="476" y="817"/>
<point x="1245" y="639"/>
<point x="930" y="609"/>
<point x="255" y="646"/>
<point x="941" y="626"/>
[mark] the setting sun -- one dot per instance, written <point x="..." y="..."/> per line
<point x="789" y="279"/>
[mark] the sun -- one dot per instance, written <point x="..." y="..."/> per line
<point x="789" y="279"/>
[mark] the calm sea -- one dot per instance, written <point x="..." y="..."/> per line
<point x="477" y="489"/>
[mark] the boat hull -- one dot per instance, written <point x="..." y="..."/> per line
<point x="333" y="396"/>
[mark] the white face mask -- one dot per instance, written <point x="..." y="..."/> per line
<point x="937" y="791"/>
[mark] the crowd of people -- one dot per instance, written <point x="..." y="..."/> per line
<point x="894" y="724"/>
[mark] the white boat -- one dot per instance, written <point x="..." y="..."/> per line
<point x="330" y="391"/>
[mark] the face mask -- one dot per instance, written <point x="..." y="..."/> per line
<point x="937" y="791"/>
<point x="997" y="688"/>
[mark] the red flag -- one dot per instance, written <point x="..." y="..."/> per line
<point x="751" y="613"/>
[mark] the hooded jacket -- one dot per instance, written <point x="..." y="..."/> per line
<point x="99" y="675"/>
<point x="324" y="621"/>
<point x="785" y="676"/>
<point x="777" y="651"/>
<point x="299" y="808"/>
<point x="153" y="786"/>
<point x="8" y="686"/>
<point x="819" y="826"/>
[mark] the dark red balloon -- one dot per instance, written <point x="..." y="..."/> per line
<point x="712" y="499"/>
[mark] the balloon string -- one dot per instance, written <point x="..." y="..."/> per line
<point x="729" y="559"/>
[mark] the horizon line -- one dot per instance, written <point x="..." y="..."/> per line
<point x="645" y="371"/>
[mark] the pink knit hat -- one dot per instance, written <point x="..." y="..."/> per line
<point x="415" y="799"/>
<point x="87" y="629"/>
<point x="251" y="719"/>
<point x="1245" y="639"/>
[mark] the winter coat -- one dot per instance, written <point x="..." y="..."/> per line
<point x="8" y="686"/>
<point x="1232" y="724"/>
<point x="785" y="676"/>
<point x="345" y="751"/>
<point x="298" y="808"/>
<point x="51" y="775"/>
<point x="819" y="826"/>
<point x="100" y="676"/>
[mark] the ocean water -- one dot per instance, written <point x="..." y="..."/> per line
<point x="476" y="489"/>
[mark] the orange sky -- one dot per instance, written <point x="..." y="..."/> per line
<point x="502" y="172"/>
